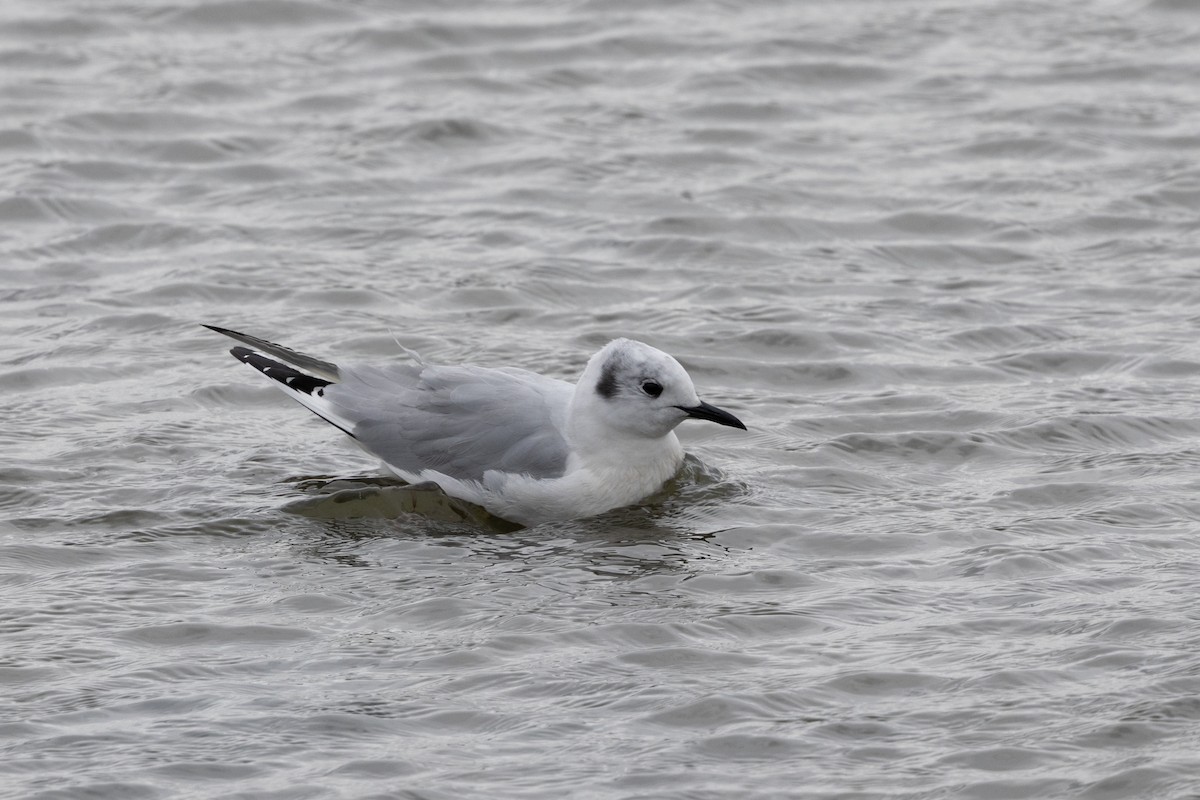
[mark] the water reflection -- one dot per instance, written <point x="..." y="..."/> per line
<point x="666" y="533"/>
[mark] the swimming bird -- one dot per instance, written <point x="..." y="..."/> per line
<point x="526" y="447"/>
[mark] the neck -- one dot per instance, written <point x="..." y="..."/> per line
<point x="601" y="446"/>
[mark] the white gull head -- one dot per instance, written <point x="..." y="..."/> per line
<point x="630" y="391"/>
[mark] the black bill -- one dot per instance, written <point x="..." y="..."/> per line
<point x="712" y="414"/>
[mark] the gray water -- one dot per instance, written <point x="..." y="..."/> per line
<point x="941" y="257"/>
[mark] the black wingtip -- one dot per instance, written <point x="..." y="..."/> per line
<point x="278" y="371"/>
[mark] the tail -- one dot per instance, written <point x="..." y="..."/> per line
<point x="301" y="377"/>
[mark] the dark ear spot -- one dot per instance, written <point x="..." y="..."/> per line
<point x="606" y="387"/>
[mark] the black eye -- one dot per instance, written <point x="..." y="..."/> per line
<point x="652" y="388"/>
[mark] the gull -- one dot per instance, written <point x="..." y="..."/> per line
<point x="526" y="447"/>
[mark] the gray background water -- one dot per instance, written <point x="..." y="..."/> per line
<point x="941" y="256"/>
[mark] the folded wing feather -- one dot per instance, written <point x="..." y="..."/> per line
<point x="460" y="421"/>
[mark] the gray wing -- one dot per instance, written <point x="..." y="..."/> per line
<point x="459" y="420"/>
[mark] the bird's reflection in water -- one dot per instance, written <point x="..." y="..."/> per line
<point x="667" y="530"/>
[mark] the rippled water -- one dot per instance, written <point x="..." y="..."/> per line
<point x="940" y="256"/>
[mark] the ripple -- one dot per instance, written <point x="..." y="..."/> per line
<point x="140" y="122"/>
<point x="53" y="210"/>
<point x="441" y="132"/>
<point x="706" y="714"/>
<point x="750" y="748"/>
<point x="1003" y="759"/>
<point x="197" y="634"/>
<point x="233" y="15"/>
<point x="1007" y="337"/>
<point x="1102" y="432"/>
<point x="879" y="682"/>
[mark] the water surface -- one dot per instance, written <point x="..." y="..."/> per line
<point x="940" y="256"/>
